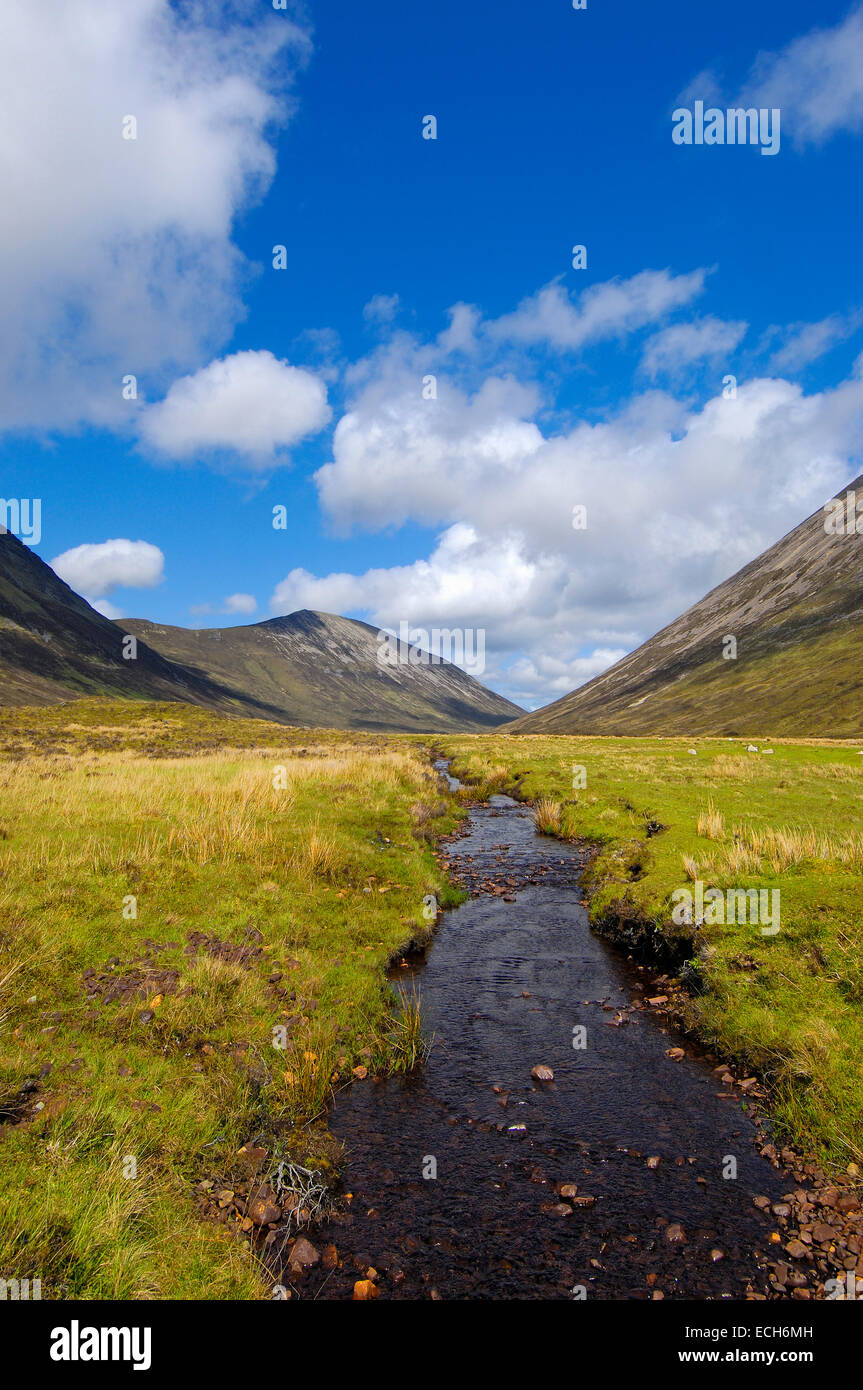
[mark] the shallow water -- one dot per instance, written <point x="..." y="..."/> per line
<point x="503" y="986"/>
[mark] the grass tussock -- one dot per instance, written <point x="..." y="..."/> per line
<point x="782" y="848"/>
<point x="711" y="823"/>
<point x="408" y="1040"/>
<point x="547" y="816"/>
<point x="690" y="867"/>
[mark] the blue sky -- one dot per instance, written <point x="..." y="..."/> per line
<point x="302" y="387"/>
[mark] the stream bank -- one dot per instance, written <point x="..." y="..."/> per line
<point x="632" y="1174"/>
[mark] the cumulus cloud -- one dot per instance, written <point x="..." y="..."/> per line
<point x="97" y="570"/>
<point x="602" y="311"/>
<point x="533" y="681"/>
<point x="240" y="603"/>
<point x="677" y="498"/>
<point x="469" y="582"/>
<point x="249" y="404"/>
<point x="467" y="579"/>
<point x="393" y="429"/>
<point x="108" y="609"/>
<point x="480" y="459"/>
<point x="461" y="335"/>
<point x="140" y="275"/>
<point x="679" y="346"/>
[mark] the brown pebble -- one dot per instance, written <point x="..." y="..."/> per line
<point x="796" y="1249"/>
<point x="303" y="1255"/>
<point x="822" y="1232"/>
<point x="263" y="1211"/>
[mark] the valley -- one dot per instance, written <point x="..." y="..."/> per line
<point x="306" y="940"/>
<point x="273" y="1000"/>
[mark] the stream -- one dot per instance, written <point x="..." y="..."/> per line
<point x="454" y="1170"/>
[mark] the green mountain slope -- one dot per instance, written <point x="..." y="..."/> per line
<point x="797" y="615"/>
<point x="54" y="646"/>
<point x="307" y="669"/>
<point x="322" y="669"/>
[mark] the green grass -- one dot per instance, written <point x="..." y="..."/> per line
<point x="789" y="1006"/>
<point x="154" y="728"/>
<point x="295" y="897"/>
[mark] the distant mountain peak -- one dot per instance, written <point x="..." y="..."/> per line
<point x="305" y="668"/>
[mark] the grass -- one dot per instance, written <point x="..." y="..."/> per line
<point x="789" y="1006"/>
<point x="195" y="917"/>
<point x="548" y="816"/>
<point x="196" y="913"/>
<point x="409" y="1042"/>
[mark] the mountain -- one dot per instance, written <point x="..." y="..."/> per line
<point x="54" y="646"/>
<point x="797" y="615"/>
<point x="320" y="669"/>
<point x="307" y="669"/>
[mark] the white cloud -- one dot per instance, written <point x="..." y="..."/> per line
<point x="465" y="580"/>
<point x="816" y="81"/>
<point x="96" y="570"/>
<point x="381" y="308"/>
<point x="602" y="311"/>
<point x="108" y="609"/>
<point x="137" y="274"/>
<point x="677" y="497"/>
<point x="533" y="681"/>
<point x="806" y="342"/>
<point x="460" y="336"/>
<point x="392" y="432"/>
<point x="250" y="404"/>
<point x="233" y="604"/>
<point x="677" y="347"/>
<point x="240" y="603"/>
